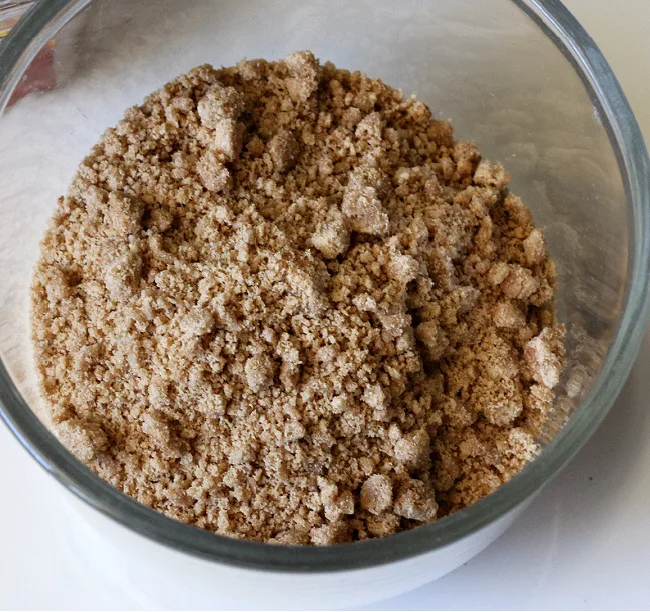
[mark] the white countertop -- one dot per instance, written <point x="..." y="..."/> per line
<point x="584" y="544"/>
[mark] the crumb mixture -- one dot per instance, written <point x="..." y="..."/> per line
<point x="280" y="302"/>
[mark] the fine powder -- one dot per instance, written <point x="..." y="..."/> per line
<point x="281" y="303"/>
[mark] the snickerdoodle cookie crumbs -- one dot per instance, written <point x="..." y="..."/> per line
<point x="280" y="302"/>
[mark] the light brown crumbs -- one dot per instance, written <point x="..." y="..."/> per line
<point x="280" y="302"/>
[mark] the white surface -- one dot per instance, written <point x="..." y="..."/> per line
<point x="585" y="543"/>
<point x="158" y="577"/>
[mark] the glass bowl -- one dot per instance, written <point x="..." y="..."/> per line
<point x="521" y="78"/>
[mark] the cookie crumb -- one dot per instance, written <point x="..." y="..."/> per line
<point x="259" y="372"/>
<point x="534" y="247"/>
<point x="362" y="202"/>
<point x="282" y="304"/>
<point x="491" y="174"/>
<point x="543" y="356"/>
<point x="377" y="494"/>
<point x="414" y="502"/>
<point x="508" y="316"/>
<point x="332" y="237"/>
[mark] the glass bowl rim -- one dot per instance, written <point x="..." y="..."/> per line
<point x="47" y="16"/>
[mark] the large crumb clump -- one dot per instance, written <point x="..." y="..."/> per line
<point x="280" y="302"/>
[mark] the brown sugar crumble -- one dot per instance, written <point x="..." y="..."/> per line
<point x="281" y="303"/>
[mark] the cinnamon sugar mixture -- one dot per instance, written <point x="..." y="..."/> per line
<point x="280" y="302"/>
